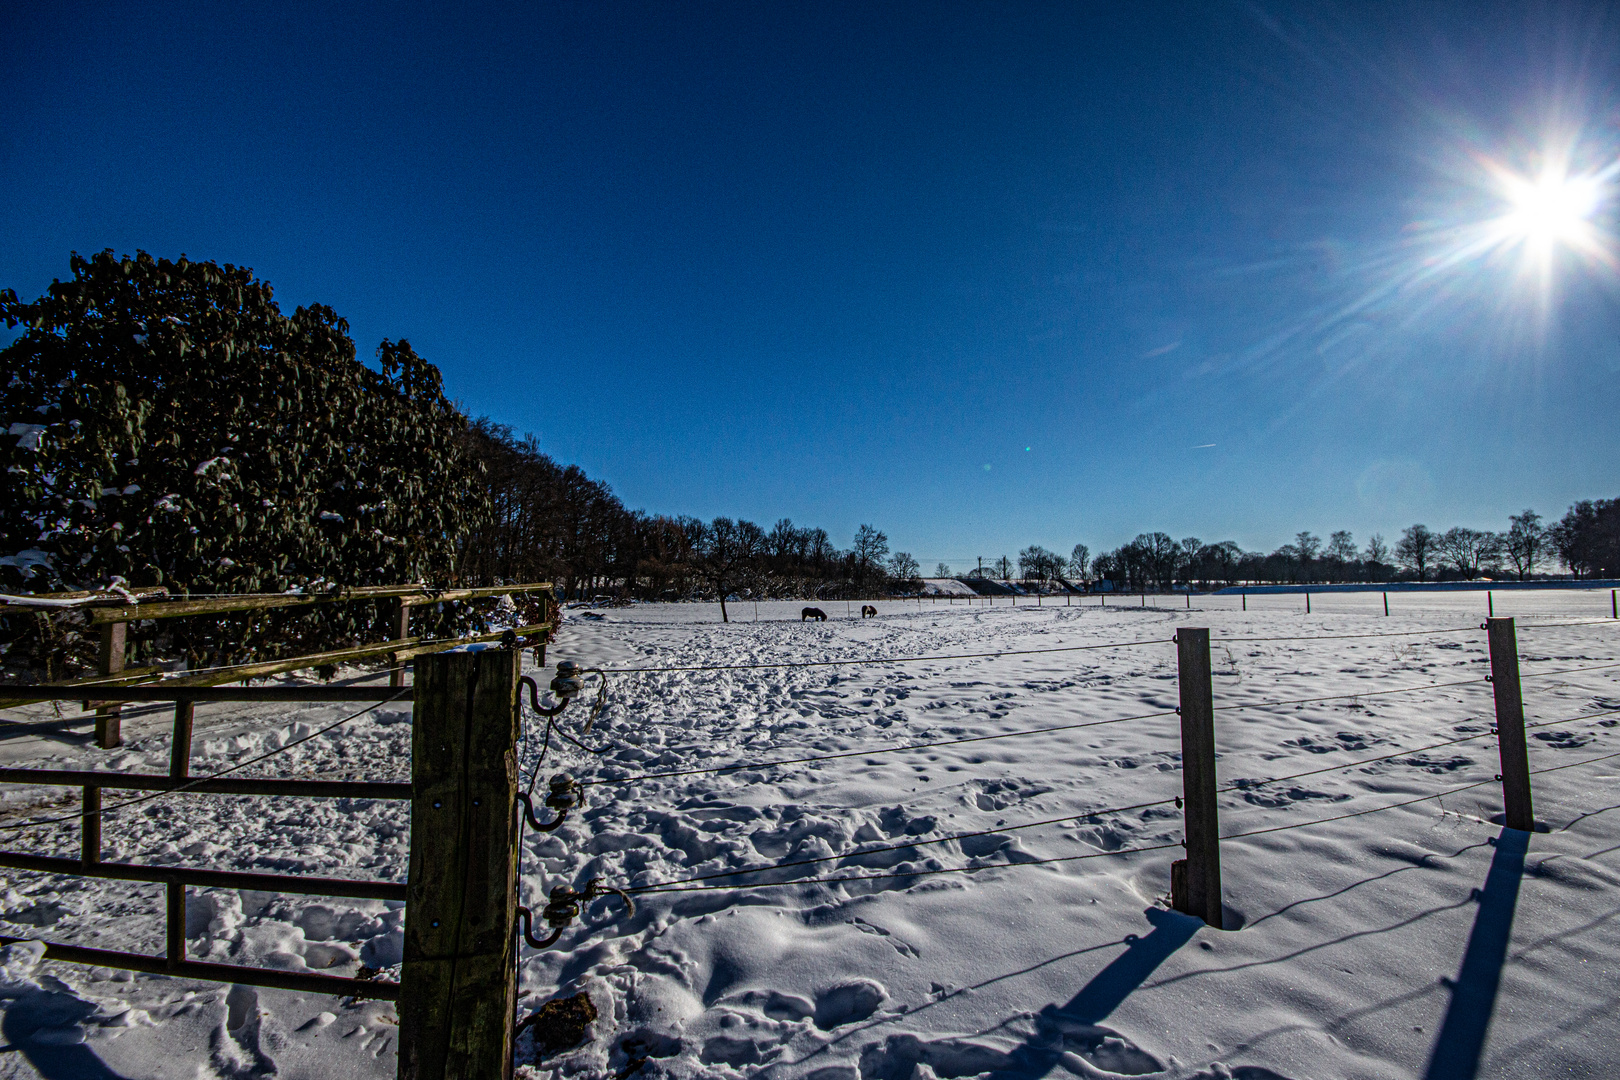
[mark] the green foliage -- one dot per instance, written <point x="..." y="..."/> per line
<point x="170" y="426"/>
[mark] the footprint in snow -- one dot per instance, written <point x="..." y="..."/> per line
<point x="1275" y="798"/>
<point x="901" y="947"/>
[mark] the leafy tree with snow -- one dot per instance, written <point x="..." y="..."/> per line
<point x="170" y="426"/>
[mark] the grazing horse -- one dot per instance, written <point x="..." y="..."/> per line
<point x="868" y="611"/>
<point x="812" y="613"/>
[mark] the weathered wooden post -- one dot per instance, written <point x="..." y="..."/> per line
<point x="1199" y="875"/>
<point x="399" y="627"/>
<point x="458" y="980"/>
<point x="180" y="747"/>
<point x="1510" y="724"/>
<point x="174" y="924"/>
<point x="1307" y="601"/>
<point x="1386" y="603"/>
<point x="90" y="827"/>
<point x="1490" y="605"/>
<point x="108" y="734"/>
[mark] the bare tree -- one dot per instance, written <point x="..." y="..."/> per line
<point x="1080" y="561"/>
<point x="1309" y="545"/>
<point x="1003" y="567"/>
<point x="724" y="549"/>
<point x="1416" y="550"/>
<point x="1467" y="550"/>
<point x="870" y="550"/>
<point x="1525" y="542"/>
<point x="783" y="539"/>
<point x="1038" y="563"/>
<point x="1162" y="555"/>
<point x="1377" y="551"/>
<point x="942" y="570"/>
<point x="904" y="569"/>
<point x="1339" y="554"/>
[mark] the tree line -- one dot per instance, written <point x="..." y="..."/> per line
<point x="551" y="522"/>
<point x="1585" y="541"/>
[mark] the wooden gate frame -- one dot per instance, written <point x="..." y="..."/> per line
<point x="457" y="989"/>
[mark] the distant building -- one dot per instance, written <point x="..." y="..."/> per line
<point x="945" y="587"/>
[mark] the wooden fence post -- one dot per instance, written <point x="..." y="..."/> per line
<point x="1510" y="724"/>
<point x="90" y="827"/>
<point x="399" y="627"/>
<point x="1200" y="876"/>
<point x="459" y="976"/>
<point x="180" y="747"/>
<point x="108" y="734"/>
<point x="174" y="924"/>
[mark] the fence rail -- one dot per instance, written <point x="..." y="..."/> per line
<point x="111" y="615"/>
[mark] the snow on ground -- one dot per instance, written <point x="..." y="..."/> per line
<point x="1371" y="946"/>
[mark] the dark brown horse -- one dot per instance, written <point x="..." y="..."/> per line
<point x="813" y="613"/>
<point x="868" y="611"/>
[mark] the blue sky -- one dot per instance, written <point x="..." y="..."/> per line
<point x="984" y="275"/>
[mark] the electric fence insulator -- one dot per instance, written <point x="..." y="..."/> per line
<point x="565" y="794"/>
<point x="563" y="908"/>
<point x="569" y="683"/>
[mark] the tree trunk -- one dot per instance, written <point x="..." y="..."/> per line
<point x="721" y="584"/>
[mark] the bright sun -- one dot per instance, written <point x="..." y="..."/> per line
<point x="1552" y="209"/>
<point x="1555" y="209"/>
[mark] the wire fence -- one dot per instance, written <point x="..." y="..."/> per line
<point x="850" y="866"/>
<point x="853" y="860"/>
<point x="1100" y="812"/>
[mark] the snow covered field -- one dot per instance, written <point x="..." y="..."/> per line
<point x="1370" y="946"/>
